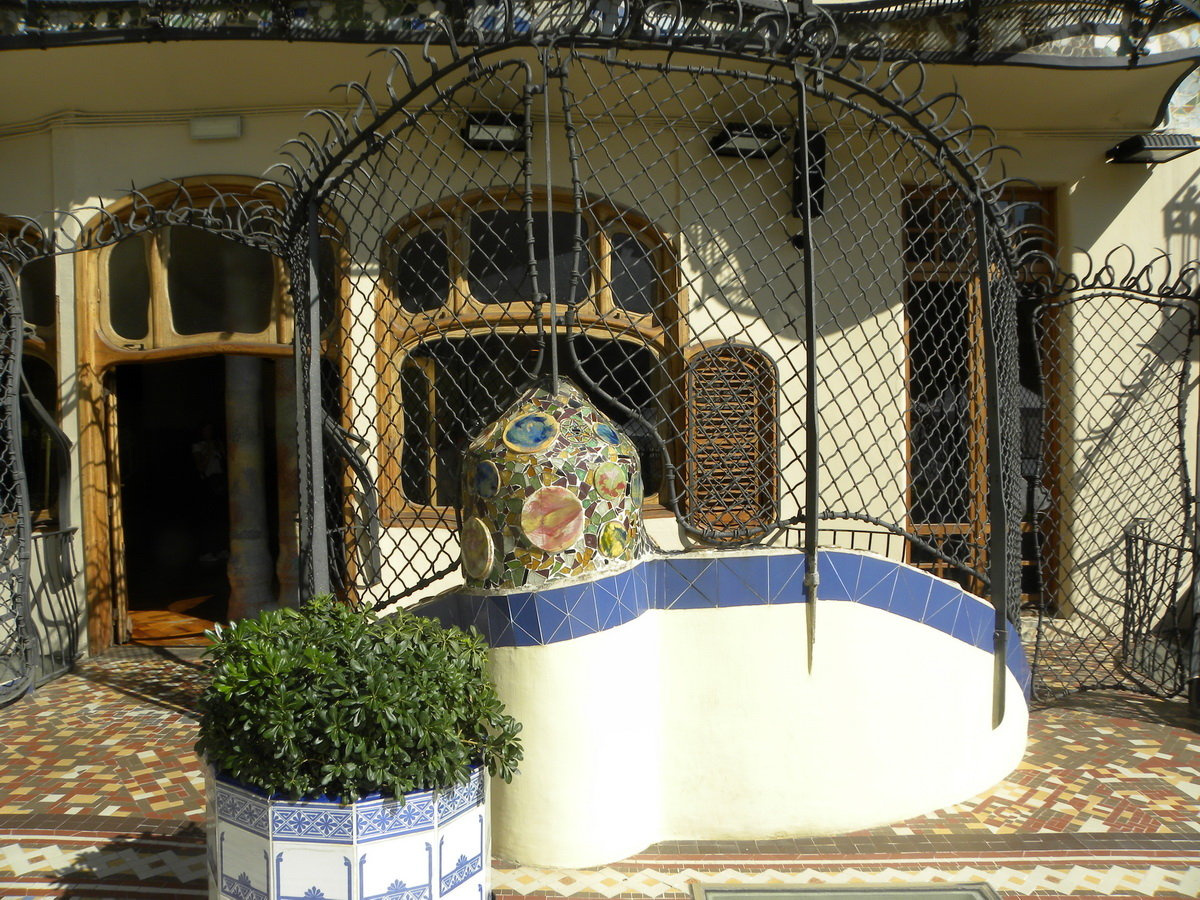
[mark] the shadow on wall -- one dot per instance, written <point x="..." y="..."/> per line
<point x="1181" y="222"/>
<point x="54" y="604"/>
<point x="1128" y="356"/>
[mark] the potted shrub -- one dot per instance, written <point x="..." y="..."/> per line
<point x="347" y="756"/>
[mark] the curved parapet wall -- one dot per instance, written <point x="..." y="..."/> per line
<point x="675" y="700"/>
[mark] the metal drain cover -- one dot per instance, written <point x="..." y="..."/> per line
<point x="976" y="891"/>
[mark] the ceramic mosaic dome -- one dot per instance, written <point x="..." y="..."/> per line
<point x="551" y="490"/>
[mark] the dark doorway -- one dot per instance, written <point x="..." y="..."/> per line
<point x="174" y="456"/>
<point x="174" y="487"/>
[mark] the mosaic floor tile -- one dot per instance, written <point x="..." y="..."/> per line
<point x="101" y="797"/>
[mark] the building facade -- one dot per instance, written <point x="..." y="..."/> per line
<point x="837" y="326"/>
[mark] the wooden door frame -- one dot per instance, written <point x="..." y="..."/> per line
<point x="97" y="355"/>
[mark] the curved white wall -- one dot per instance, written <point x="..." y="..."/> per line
<point x="588" y="789"/>
<point x="706" y="724"/>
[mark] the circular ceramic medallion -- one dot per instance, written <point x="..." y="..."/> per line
<point x="478" y="551"/>
<point x="530" y="432"/>
<point x="607" y="433"/>
<point x="552" y="518"/>
<point x="487" y="479"/>
<point x="613" y="539"/>
<point x="610" y="481"/>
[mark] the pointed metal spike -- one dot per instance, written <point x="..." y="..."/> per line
<point x="402" y="63"/>
<point x="364" y="90"/>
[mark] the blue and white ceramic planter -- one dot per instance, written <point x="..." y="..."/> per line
<point x="434" y="844"/>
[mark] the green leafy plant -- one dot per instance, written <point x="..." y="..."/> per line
<point x="325" y="700"/>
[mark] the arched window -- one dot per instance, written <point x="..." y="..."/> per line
<point x="463" y="333"/>
<point x="179" y="285"/>
<point x="464" y="330"/>
<point x="731" y="467"/>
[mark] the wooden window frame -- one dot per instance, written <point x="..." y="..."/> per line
<point x="765" y="466"/>
<point x="661" y="331"/>
<point x="162" y="340"/>
<point x="976" y="529"/>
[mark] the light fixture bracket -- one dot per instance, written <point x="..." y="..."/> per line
<point x="1153" y="147"/>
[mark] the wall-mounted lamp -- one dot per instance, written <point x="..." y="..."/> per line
<point x="1155" y="147"/>
<point x="747" y="141"/>
<point x="495" y="131"/>
<point x="215" y="128"/>
<point x="816" y="175"/>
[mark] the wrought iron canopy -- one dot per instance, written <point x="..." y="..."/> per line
<point x="1052" y="32"/>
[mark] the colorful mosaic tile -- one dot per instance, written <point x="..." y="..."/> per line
<point x="557" y="488"/>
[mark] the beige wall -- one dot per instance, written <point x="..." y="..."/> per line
<point x="106" y="118"/>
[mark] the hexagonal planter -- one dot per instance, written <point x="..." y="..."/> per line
<point x="433" y="844"/>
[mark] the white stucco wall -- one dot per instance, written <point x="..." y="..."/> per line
<point x="707" y="724"/>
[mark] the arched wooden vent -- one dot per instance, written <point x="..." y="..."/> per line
<point x="731" y="458"/>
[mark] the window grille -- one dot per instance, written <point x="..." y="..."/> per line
<point x="731" y="464"/>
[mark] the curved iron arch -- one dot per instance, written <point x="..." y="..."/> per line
<point x="1160" y="276"/>
<point x="254" y="221"/>
<point x="808" y="45"/>
<point x="794" y="50"/>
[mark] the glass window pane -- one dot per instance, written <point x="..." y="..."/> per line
<point x="633" y="274"/>
<point x="422" y="276"/>
<point x="37" y="292"/>
<point x="327" y="281"/>
<point x="479" y="376"/>
<point x="938" y="354"/>
<point x="498" y="267"/>
<point x="129" y="289"/>
<point x="627" y="373"/>
<point x="215" y="284"/>
<point x="416" y="461"/>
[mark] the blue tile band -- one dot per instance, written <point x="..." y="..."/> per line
<point x="549" y="615"/>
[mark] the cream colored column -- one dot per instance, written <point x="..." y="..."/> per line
<point x="287" y="481"/>
<point x="250" y="568"/>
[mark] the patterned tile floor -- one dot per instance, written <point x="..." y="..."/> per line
<point x="100" y="797"/>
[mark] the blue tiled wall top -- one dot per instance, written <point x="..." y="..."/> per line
<point x="712" y="581"/>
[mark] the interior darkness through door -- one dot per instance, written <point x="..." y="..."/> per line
<point x="174" y="484"/>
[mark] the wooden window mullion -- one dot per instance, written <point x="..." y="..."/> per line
<point x="161" y="329"/>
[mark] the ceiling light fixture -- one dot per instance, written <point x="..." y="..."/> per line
<point x="495" y="131"/>
<point x="747" y="141"/>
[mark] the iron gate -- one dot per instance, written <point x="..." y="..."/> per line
<point x="1115" y="503"/>
<point x="16" y="638"/>
<point x="785" y="275"/>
